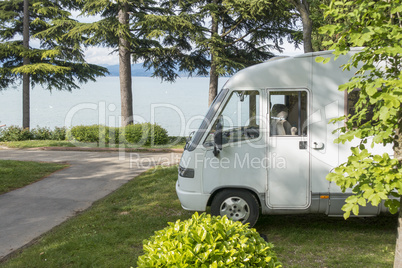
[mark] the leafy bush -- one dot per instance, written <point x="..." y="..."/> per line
<point x="113" y="135"/>
<point x="144" y="134"/>
<point x="132" y="134"/>
<point x="43" y="133"/>
<point x="141" y="134"/>
<point x="59" y="134"/>
<point x="205" y="241"/>
<point x="15" y="133"/>
<point x="85" y="133"/>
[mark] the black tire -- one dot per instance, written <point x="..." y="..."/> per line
<point x="236" y="204"/>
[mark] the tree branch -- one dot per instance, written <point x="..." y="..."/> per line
<point x="232" y="28"/>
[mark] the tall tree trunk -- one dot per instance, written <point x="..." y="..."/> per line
<point x="25" y="77"/>
<point x="213" y="82"/>
<point x="398" y="155"/>
<point x="213" y="75"/>
<point x="303" y="8"/>
<point x="126" y="94"/>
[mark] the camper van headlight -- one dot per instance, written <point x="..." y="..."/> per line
<point x="186" y="172"/>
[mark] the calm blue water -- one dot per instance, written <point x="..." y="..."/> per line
<point x="178" y="107"/>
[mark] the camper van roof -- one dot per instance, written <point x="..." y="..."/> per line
<point x="303" y="55"/>
<point x="325" y="52"/>
<point x="277" y="58"/>
<point x="279" y="72"/>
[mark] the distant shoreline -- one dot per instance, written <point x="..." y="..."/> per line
<point x="137" y="70"/>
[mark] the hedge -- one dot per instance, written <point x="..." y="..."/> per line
<point x="139" y="134"/>
<point x="15" y="133"/>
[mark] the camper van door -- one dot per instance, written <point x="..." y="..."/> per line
<point x="288" y="141"/>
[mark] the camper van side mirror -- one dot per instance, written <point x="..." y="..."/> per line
<point x="218" y="138"/>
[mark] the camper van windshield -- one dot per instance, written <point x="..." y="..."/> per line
<point x="207" y="120"/>
<point x="239" y="119"/>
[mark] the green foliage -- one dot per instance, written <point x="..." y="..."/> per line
<point x="58" y="62"/>
<point x="376" y="25"/>
<point x="145" y="134"/>
<point x="373" y="178"/>
<point x="319" y="41"/>
<point x="246" y="33"/>
<point x="59" y="134"/>
<point x="134" y="133"/>
<point x="15" y="133"/>
<point x="87" y="133"/>
<point x="205" y="241"/>
<point x="139" y="134"/>
<point x="107" y="30"/>
<point x="41" y="133"/>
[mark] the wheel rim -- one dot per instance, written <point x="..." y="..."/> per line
<point x="235" y="208"/>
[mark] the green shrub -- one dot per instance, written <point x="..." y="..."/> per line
<point x="205" y="241"/>
<point x="144" y="134"/>
<point x="59" y="133"/>
<point x="141" y="134"/>
<point x="15" y="133"/>
<point x="86" y="133"/>
<point x="43" y="133"/>
<point x="132" y="134"/>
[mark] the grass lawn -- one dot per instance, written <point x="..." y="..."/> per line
<point x="110" y="234"/>
<point x="322" y="241"/>
<point x="36" y="143"/>
<point x="52" y="143"/>
<point x="17" y="174"/>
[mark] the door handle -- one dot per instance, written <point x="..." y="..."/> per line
<point x="318" y="145"/>
<point x="302" y="145"/>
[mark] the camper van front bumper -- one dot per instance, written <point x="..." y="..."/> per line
<point x="192" y="201"/>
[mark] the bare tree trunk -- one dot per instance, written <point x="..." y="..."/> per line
<point x="303" y="8"/>
<point x="126" y="94"/>
<point x="25" y="77"/>
<point x="213" y="76"/>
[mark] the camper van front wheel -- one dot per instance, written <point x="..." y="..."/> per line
<point x="238" y="205"/>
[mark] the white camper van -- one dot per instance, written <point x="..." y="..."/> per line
<point x="265" y="145"/>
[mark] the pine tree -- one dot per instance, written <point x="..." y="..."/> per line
<point x="217" y="36"/>
<point x="118" y="28"/>
<point x="56" y="63"/>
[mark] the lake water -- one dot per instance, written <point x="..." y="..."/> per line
<point x="178" y="107"/>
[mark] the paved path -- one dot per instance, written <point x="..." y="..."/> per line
<point x="29" y="212"/>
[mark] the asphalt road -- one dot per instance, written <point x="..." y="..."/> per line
<point x="27" y="213"/>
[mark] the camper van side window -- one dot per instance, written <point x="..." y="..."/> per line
<point x="288" y="113"/>
<point x="239" y="118"/>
